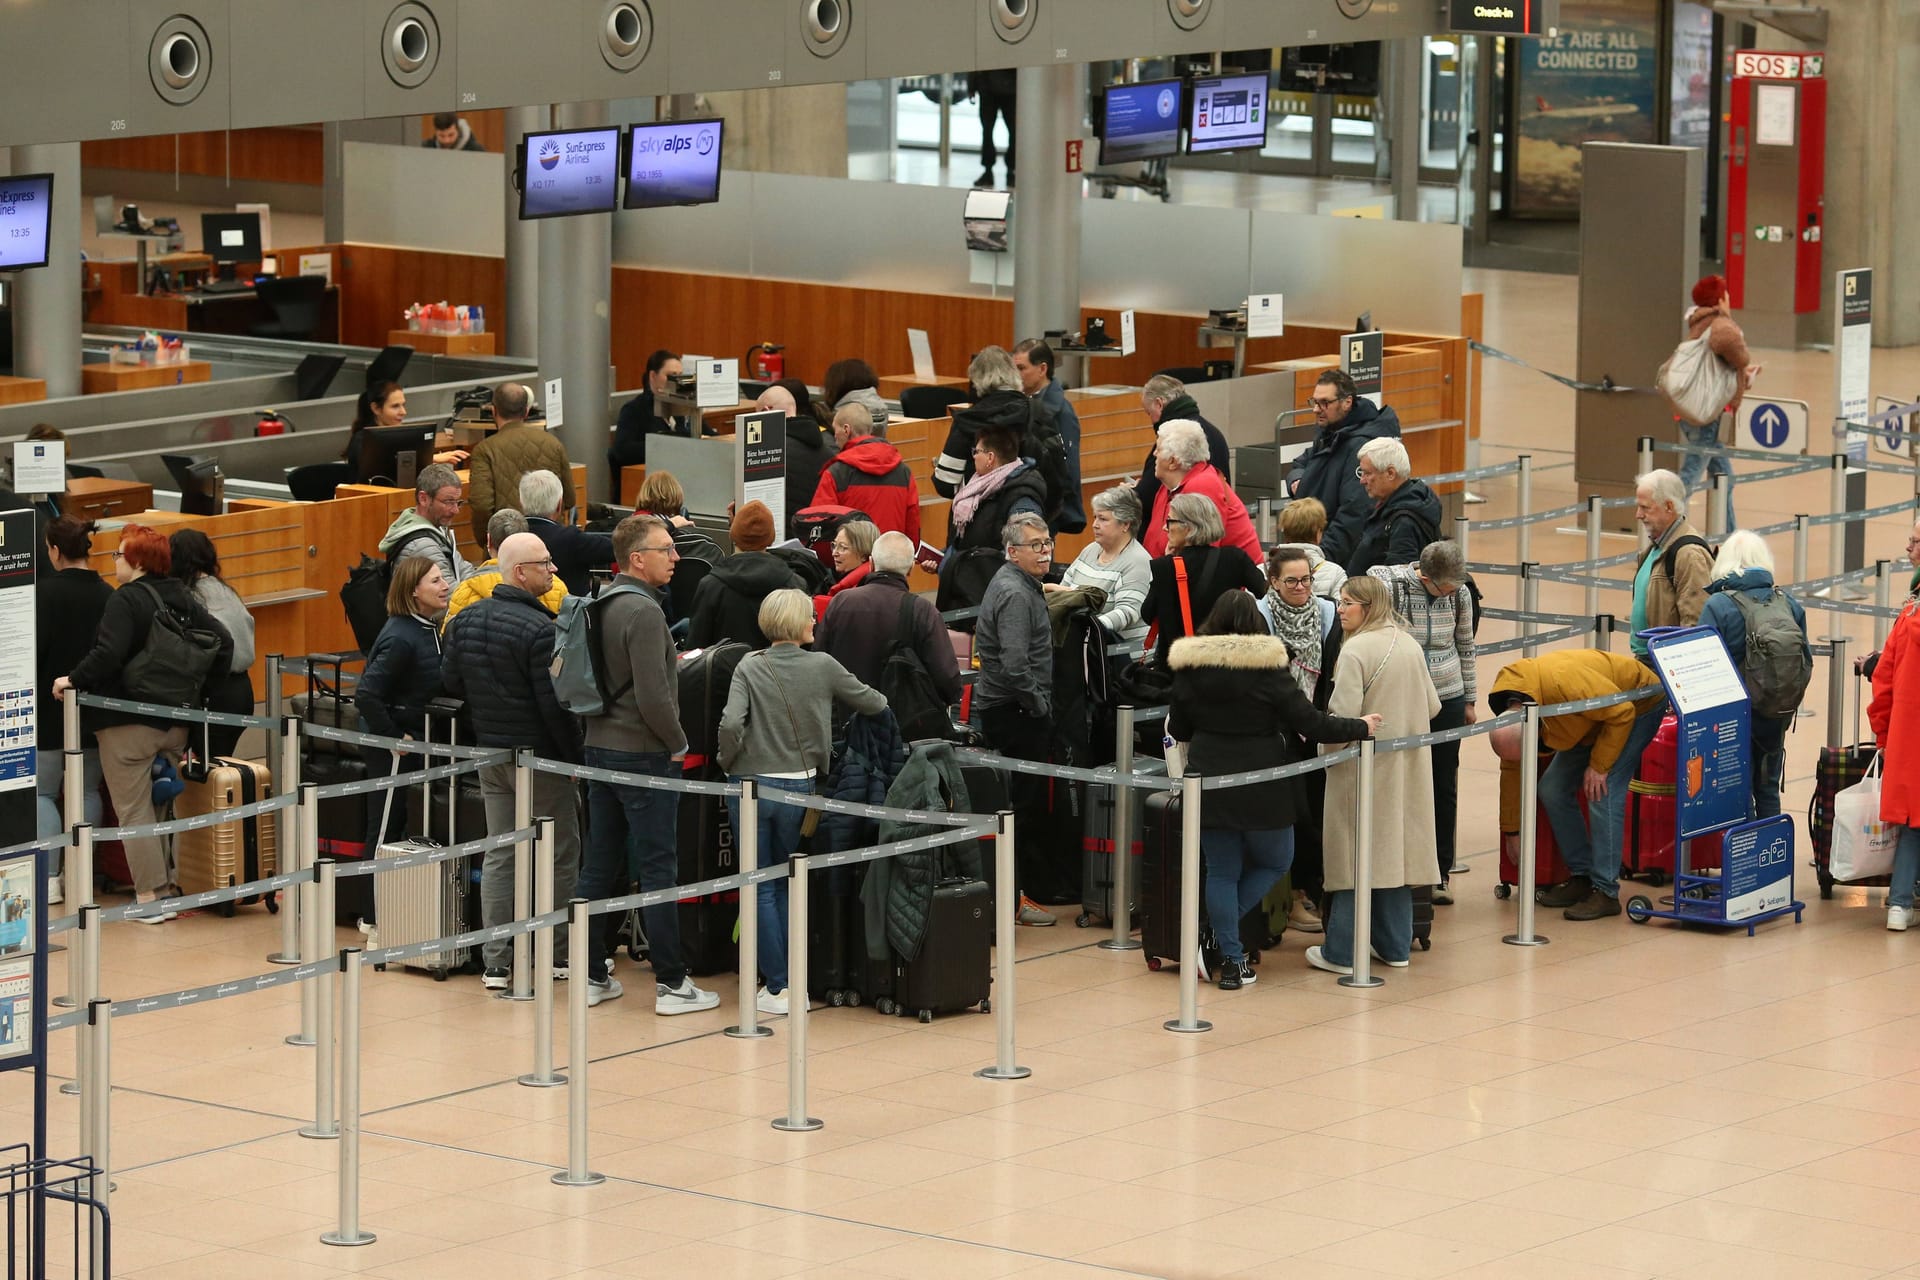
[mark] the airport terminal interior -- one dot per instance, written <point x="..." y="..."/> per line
<point x="1624" y="1099"/>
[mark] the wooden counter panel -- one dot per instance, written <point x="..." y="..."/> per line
<point x="97" y="379"/>
<point x="22" y="390"/>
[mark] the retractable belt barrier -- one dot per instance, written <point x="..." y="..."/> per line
<point x="308" y="667"/>
<point x="396" y="781"/>
<point x="1606" y="384"/>
<point x="827" y="804"/>
<point x="1519" y="615"/>
<point x="405" y="746"/>
<point x="196" y="822"/>
<point x="189" y="715"/>
<point x="1474" y="473"/>
<point x="1537" y="517"/>
<point x="1537" y="638"/>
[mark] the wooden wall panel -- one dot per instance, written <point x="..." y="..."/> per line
<point x="290" y="154"/>
<point x="378" y="283"/>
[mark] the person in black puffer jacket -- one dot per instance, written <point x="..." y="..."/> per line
<point x="999" y="402"/>
<point x="497" y="658"/>
<point x="726" y="604"/>
<point x="401" y="676"/>
<point x="1327" y="469"/>
<point x="1407" y="517"/>
<point x="128" y="743"/>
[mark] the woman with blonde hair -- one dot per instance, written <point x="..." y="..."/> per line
<point x="1381" y="672"/>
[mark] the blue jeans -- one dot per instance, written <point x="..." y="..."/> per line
<point x="1768" y="743"/>
<point x="1241" y="867"/>
<point x="1392" y="924"/>
<point x="779" y="830"/>
<point x="1706" y="435"/>
<point x="633" y="834"/>
<point x="1595" y="854"/>
<point x="1906" y="868"/>
<point x="49" y="774"/>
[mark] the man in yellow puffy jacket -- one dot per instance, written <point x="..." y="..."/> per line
<point x="480" y="582"/>
<point x="1595" y="751"/>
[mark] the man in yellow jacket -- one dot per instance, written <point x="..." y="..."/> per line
<point x="483" y="578"/>
<point x="1594" y="751"/>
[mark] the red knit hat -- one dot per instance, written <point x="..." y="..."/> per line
<point x="1709" y="291"/>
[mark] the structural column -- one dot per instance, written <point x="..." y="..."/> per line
<point x="1046" y="226"/>
<point x="1403" y="126"/>
<point x="520" y="327"/>
<point x="575" y="338"/>
<point x="46" y="324"/>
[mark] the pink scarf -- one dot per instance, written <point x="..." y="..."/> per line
<point x="977" y="490"/>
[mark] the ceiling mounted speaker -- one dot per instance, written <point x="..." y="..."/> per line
<point x="824" y="25"/>
<point x="1189" y="14"/>
<point x="1013" y="19"/>
<point x="626" y="33"/>
<point x="410" y="45"/>
<point x="179" y="60"/>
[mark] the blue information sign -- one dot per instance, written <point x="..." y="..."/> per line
<point x="1713" y="784"/>
<point x="1757" y="858"/>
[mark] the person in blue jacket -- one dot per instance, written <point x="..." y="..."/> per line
<point x="1742" y="580"/>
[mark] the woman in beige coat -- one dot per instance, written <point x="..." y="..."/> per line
<point x="1380" y="671"/>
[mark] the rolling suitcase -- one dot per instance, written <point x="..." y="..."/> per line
<point x="231" y="853"/>
<point x="421" y="903"/>
<point x="326" y="702"/>
<point x="1836" y="769"/>
<point x="1097" y="845"/>
<point x="953" y="970"/>
<point x="1423" y="916"/>
<point x="341" y="826"/>
<point x="1160" y="893"/>
<point x="708" y="932"/>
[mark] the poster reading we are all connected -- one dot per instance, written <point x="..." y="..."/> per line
<point x="1597" y="80"/>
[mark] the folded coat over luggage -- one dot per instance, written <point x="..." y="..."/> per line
<point x="897" y="897"/>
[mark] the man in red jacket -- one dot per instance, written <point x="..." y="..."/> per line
<point x="868" y="475"/>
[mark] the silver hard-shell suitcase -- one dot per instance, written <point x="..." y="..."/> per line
<point x="417" y="904"/>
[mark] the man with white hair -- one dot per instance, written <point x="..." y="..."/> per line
<point x="576" y="553"/>
<point x="1670" y="582"/>
<point x="1406" y="514"/>
<point x="863" y="626"/>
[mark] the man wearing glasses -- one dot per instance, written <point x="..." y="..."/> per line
<point x="1015" y="694"/>
<point x="1329" y="469"/>
<point x="427" y="529"/>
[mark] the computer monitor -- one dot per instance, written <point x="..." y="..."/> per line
<point x="389" y="365"/>
<point x="26" y="206"/>
<point x="674" y="162"/>
<point x="985" y="218"/>
<point x="1140" y="122"/>
<point x="229" y="239"/>
<point x="199" y="479"/>
<point x="1228" y="113"/>
<point x="569" y="172"/>
<point x="396" y="455"/>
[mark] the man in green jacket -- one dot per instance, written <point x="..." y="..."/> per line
<point x="498" y="462"/>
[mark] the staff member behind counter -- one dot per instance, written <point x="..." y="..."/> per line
<point x="384" y="404"/>
<point x="640" y="416"/>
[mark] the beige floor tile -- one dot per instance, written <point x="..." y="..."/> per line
<point x="1364" y="1201"/>
<point x="1401" y="1252"/>
<point x="929" y="1259"/>
<point x="1189" y="1254"/>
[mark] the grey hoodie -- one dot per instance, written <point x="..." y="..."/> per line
<point x="439" y="547"/>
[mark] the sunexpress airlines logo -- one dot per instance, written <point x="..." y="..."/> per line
<point x="550" y="155"/>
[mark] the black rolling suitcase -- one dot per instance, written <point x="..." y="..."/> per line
<point x="1836" y="769"/>
<point x="705" y="837"/>
<point x="1159" y="892"/>
<point x="342" y="829"/>
<point x="840" y="971"/>
<point x="953" y="970"/>
<point x="1423" y="916"/>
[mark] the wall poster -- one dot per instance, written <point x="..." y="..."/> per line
<point x="1595" y="81"/>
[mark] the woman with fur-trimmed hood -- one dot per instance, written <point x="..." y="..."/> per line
<point x="1238" y="707"/>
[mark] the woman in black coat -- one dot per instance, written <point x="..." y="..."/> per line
<point x="1238" y="707"/>
<point x="70" y="601"/>
<point x="1194" y="529"/>
<point x="401" y="677"/>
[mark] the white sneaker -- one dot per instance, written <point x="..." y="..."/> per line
<point x="685" y="998"/>
<point x="600" y="991"/>
<point x="1398" y="964"/>
<point x="1899" y="919"/>
<point x="771" y="1005"/>
<point x="1318" y="960"/>
<point x="56" y="892"/>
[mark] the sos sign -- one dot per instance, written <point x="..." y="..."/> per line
<point x="1768" y="65"/>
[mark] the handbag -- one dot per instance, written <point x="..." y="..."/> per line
<point x="1862" y="844"/>
<point x="1176" y="752"/>
<point x="1697" y="383"/>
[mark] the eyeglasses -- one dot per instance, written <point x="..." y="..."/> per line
<point x="536" y="564"/>
<point x="668" y="549"/>
<point x="1044" y="544"/>
<point x="1296" y="582"/>
<point x="1318" y="403"/>
<point x="119" y="555"/>
<point x="1361" y="473"/>
<point x="1171" y="522"/>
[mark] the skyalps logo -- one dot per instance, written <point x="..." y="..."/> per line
<point x="550" y="155"/>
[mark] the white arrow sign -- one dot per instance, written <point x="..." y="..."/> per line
<point x="1776" y="425"/>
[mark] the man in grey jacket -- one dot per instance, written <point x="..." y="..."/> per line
<point x="427" y="530"/>
<point x="639" y="732"/>
<point x="1015" y="691"/>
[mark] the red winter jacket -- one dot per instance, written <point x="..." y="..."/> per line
<point x="869" y="476"/>
<point x="1894" y="714"/>
<point x="1207" y="483"/>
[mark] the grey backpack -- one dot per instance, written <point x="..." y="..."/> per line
<point x="1777" y="668"/>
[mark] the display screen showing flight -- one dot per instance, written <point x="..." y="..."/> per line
<point x="1142" y="122"/>
<point x="573" y="172"/>
<point x="674" y="162"/>
<point x="26" y="203"/>
<point x="1228" y="113"/>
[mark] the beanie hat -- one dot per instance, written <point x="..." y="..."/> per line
<point x="752" y="528"/>
<point x="1709" y="291"/>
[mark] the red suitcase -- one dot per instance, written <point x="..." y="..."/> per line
<point x="1651" y="814"/>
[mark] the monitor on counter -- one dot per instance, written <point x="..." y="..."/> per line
<point x="674" y="162"/>
<point x="26" y="207"/>
<point x="1228" y="113"/>
<point x="396" y="456"/>
<point x="569" y="172"/>
<point x="1141" y="122"/>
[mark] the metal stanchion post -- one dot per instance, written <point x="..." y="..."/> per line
<point x="796" y="1120"/>
<point x="577" y="1174"/>
<point x="746" y="841"/>
<point x="1801" y="529"/>
<point x="1529" y="605"/>
<point x="1461" y="528"/>
<point x="1004" y="929"/>
<point x="305" y="899"/>
<point x="85" y="949"/>
<point x="1122" y="914"/>
<point x="1595" y="515"/>
<point x="325" y="1123"/>
<point x="1718" y="497"/>
<point x="522" y="987"/>
<point x="1603" y="624"/>
<point x="1523" y="507"/>
<point x="1189" y="1019"/>
<point x="99" y="1103"/>
<point x="349" y="1232"/>
<point x="1838" y="673"/>
<point x="290" y="841"/>
<point x="1836" y="533"/>
<point x="1523" y="934"/>
<point x="543" y="1075"/>
<point x="77" y="874"/>
<point x="1646" y="465"/>
<point x="1882" y="588"/>
<point x="1265" y="529"/>
<point x="1363" y="975"/>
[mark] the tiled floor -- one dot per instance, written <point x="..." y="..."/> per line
<point x="1625" y="1101"/>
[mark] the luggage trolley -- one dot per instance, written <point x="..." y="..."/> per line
<point x="1754" y="881"/>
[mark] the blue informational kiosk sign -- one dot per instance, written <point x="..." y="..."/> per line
<point x="1714" y="791"/>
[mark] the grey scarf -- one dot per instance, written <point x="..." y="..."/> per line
<point x="1299" y="627"/>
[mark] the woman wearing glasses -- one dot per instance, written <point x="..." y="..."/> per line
<point x="1195" y="572"/>
<point x="852" y="560"/>
<point x="1115" y="562"/>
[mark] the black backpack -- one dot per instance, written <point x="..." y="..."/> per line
<point x="364" y="597"/>
<point x="916" y="704"/>
<point x="172" y="667"/>
<point x="1048" y="450"/>
<point x="806" y="566"/>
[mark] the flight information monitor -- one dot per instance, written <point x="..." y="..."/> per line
<point x="674" y="162"/>
<point x="576" y="171"/>
<point x="1228" y="113"/>
<point x="26" y="203"/>
<point x="1142" y="122"/>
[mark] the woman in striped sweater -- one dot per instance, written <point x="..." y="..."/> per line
<point x="1115" y="562"/>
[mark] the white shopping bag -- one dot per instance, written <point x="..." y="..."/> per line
<point x="1862" y="844"/>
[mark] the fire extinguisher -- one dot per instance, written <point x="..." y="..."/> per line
<point x="272" y="424"/>
<point x="765" y="363"/>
